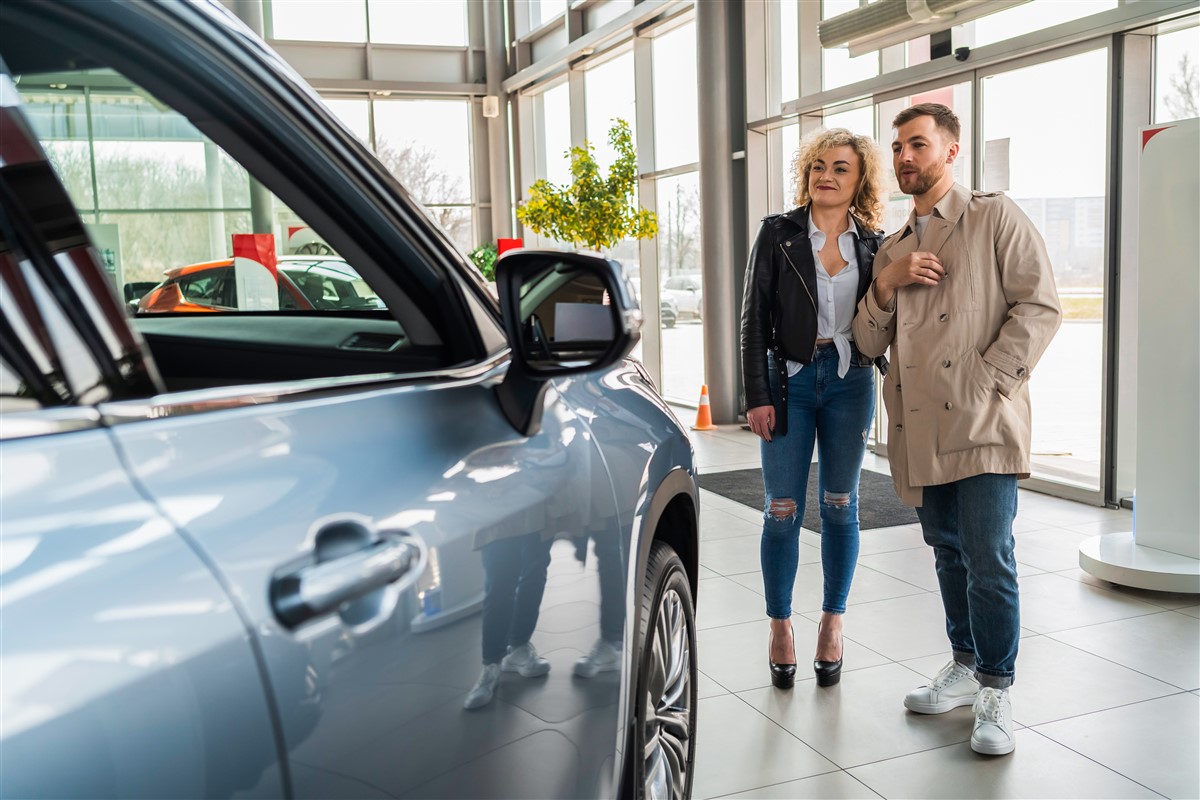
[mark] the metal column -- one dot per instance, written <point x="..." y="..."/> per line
<point x="261" y="201"/>
<point x="497" y="127"/>
<point x="717" y="217"/>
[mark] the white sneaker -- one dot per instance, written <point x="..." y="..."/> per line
<point x="993" y="732"/>
<point x="954" y="686"/>
<point x="605" y="657"/>
<point x="481" y="693"/>
<point x="524" y="660"/>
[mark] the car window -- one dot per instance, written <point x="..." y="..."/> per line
<point x="162" y="201"/>
<point x="206" y="288"/>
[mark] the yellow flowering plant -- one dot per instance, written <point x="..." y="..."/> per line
<point x="593" y="211"/>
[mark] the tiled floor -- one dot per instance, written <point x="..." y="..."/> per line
<point x="1106" y="701"/>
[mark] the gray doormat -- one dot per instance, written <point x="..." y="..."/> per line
<point x="878" y="506"/>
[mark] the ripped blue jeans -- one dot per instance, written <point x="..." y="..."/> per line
<point x="834" y="414"/>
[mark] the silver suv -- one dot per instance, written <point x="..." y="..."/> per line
<point x="440" y="548"/>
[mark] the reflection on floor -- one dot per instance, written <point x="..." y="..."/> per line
<point x="1106" y="700"/>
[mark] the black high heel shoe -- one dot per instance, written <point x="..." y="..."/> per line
<point x="828" y="672"/>
<point x="783" y="676"/>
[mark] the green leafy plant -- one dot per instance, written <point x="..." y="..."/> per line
<point x="485" y="257"/>
<point x="595" y="212"/>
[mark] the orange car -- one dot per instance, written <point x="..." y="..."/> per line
<point x="306" y="283"/>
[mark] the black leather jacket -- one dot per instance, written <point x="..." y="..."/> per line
<point x="769" y="304"/>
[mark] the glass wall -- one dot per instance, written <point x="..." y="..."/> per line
<point x="1063" y="189"/>
<point x="1177" y="75"/>
<point x="552" y="111"/>
<point x="170" y="194"/>
<point x="415" y="22"/>
<point x="1033" y="16"/>
<point x="676" y="138"/>
<point x="608" y="89"/>
<point x="681" y="288"/>
<point x="427" y="145"/>
<point x="837" y="67"/>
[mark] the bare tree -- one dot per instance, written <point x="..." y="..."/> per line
<point x="416" y="169"/>
<point x="681" y="245"/>
<point x="1185" y="90"/>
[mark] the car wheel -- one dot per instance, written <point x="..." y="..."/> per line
<point x="665" y="724"/>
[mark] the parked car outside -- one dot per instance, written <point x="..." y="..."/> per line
<point x="668" y="312"/>
<point x="263" y="554"/>
<point x="306" y="283"/>
<point x="685" y="290"/>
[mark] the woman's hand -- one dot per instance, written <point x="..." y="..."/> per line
<point x="762" y="421"/>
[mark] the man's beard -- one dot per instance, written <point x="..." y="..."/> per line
<point x="923" y="181"/>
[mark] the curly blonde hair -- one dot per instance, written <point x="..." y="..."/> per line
<point x="867" y="203"/>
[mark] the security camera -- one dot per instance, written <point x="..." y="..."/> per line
<point x="962" y="53"/>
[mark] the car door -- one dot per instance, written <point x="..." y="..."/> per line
<point x="125" y="669"/>
<point x="351" y="515"/>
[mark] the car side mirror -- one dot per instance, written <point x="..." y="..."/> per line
<point x="564" y="313"/>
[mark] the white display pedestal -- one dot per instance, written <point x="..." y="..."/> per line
<point x="1163" y="551"/>
<point x="1116" y="558"/>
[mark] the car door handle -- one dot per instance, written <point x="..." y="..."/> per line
<point x="393" y="562"/>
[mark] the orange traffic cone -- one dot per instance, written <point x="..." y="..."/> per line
<point x="704" y="412"/>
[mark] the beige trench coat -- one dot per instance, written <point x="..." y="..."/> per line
<point x="957" y="393"/>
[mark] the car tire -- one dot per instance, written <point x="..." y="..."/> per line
<point x="664" y="752"/>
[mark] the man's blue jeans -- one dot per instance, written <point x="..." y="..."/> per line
<point x="968" y="524"/>
<point x="835" y="414"/>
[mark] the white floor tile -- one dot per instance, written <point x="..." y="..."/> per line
<point x="743" y="554"/>
<point x="884" y="540"/>
<point x="1153" y="743"/>
<point x="1127" y="655"/>
<point x="808" y="591"/>
<point x="721" y="524"/>
<point x="1051" y="602"/>
<point x="914" y="566"/>
<point x="904" y="627"/>
<point x="723" y="602"/>
<point x="1056" y="681"/>
<point x="830" y="786"/>
<point x="1038" y="767"/>
<point x="739" y="749"/>
<point x="1050" y="549"/>
<point x="1118" y="524"/>
<point x="1161" y="599"/>
<point x="1165" y="646"/>
<point x="736" y="655"/>
<point x="707" y="687"/>
<point x="862" y="719"/>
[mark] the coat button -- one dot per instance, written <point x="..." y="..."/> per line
<point x="949" y="406"/>
<point x="787" y="244"/>
<point x="870" y="323"/>
<point x="1020" y="372"/>
<point x="897" y="387"/>
<point x="899" y="427"/>
<point x="943" y="317"/>
<point x="946" y="363"/>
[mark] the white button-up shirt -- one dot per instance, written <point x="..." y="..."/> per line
<point x="836" y="296"/>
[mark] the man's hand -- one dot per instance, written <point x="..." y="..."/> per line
<point x="920" y="268"/>
<point x="761" y="420"/>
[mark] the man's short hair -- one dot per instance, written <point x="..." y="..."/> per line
<point x="943" y="117"/>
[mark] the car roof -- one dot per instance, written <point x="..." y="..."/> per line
<point x="284" y="261"/>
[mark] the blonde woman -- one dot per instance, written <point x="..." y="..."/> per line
<point x="806" y="383"/>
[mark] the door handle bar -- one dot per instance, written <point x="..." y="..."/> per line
<point x="319" y="589"/>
